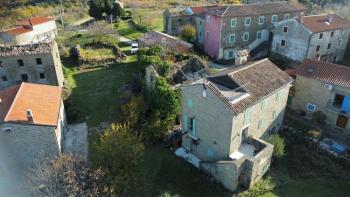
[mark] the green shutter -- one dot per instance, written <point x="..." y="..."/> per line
<point x="194" y="127"/>
<point x="185" y="123"/>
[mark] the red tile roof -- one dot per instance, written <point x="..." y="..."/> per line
<point x="43" y="100"/>
<point x="325" y="22"/>
<point x="34" y="21"/>
<point x="325" y="72"/>
<point x="17" y="31"/>
<point x="201" y="9"/>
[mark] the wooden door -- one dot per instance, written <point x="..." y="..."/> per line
<point x="342" y="121"/>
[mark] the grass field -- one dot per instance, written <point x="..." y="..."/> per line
<point x="95" y="90"/>
<point x="151" y="18"/>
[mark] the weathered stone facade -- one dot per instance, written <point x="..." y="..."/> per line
<point x="311" y="91"/>
<point x="294" y="40"/>
<point x="31" y="65"/>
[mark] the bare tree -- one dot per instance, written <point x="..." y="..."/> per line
<point x="100" y="29"/>
<point x="67" y="175"/>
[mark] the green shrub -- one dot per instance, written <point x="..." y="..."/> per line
<point x="278" y="145"/>
<point x="188" y="33"/>
<point x="260" y="188"/>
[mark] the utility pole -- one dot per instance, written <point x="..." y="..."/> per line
<point x="62" y="11"/>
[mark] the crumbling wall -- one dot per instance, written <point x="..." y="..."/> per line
<point x="225" y="172"/>
<point x="191" y="69"/>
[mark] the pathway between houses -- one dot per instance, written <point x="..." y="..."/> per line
<point x="76" y="141"/>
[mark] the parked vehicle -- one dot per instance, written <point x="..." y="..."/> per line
<point x="134" y="48"/>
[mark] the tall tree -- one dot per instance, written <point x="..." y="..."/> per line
<point x="120" y="155"/>
<point x="96" y="9"/>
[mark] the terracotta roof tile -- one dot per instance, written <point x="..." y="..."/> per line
<point x="34" y="21"/>
<point x="43" y="100"/>
<point x="259" y="79"/>
<point x="165" y="40"/>
<point x="325" y="22"/>
<point x="257" y="9"/>
<point x="17" y="31"/>
<point x="325" y="72"/>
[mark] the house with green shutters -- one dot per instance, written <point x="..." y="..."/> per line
<point x="227" y="116"/>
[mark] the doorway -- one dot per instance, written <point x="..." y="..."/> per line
<point x="342" y="121"/>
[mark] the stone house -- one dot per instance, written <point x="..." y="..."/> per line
<point x="324" y="87"/>
<point x="229" y="29"/>
<point x="35" y="63"/>
<point x="168" y="42"/>
<point x="32" y="128"/>
<point x="319" y="37"/>
<point x="29" y="31"/>
<point x="227" y="116"/>
<point x="175" y="18"/>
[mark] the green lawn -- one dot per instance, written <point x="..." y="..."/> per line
<point x="128" y="31"/>
<point x="169" y="174"/>
<point x="95" y="94"/>
<point x="96" y="54"/>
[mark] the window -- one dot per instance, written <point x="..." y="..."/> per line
<point x="230" y="54"/>
<point x="232" y="38"/>
<point x="208" y="19"/>
<point x="20" y="62"/>
<point x="260" y="124"/>
<point x="339" y="43"/>
<point x="207" y="34"/>
<point x="311" y="107"/>
<point x="24" y="77"/>
<point x="286" y="16"/>
<point x="274" y="18"/>
<point x="321" y="36"/>
<point x="200" y="23"/>
<point x="4" y="78"/>
<point x="329" y="46"/>
<point x="261" y="20"/>
<point x="262" y="105"/>
<point x="285" y="29"/>
<point x="283" y="43"/>
<point x="258" y="35"/>
<point x="335" y="59"/>
<point x="180" y="20"/>
<point x="246" y="36"/>
<point x="332" y="33"/>
<point x="318" y="48"/>
<point x="247" y="21"/>
<point x="233" y="22"/>
<point x="338" y="100"/>
<point x="38" y="61"/>
<point x="192" y="126"/>
<point x="42" y="75"/>
<point x="1" y="64"/>
<point x="246" y="118"/>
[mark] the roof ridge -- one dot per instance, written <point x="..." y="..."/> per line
<point x="246" y="67"/>
<point x="13" y="101"/>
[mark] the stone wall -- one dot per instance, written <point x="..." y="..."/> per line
<point x="338" y="43"/>
<point x="51" y="67"/>
<point x="297" y="40"/>
<point x="313" y="91"/>
<point x="269" y="111"/>
<point x="225" y="172"/>
<point x="213" y="123"/>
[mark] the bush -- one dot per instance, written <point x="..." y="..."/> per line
<point x="260" y="188"/>
<point x="278" y="145"/>
<point x="188" y="33"/>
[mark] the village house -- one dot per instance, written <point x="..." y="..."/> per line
<point x="319" y="37"/>
<point x="227" y="116"/>
<point x="229" y="29"/>
<point x="29" y="31"/>
<point x="32" y="127"/>
<point x="168" y="42"/>
<point x="176" y="18"/>
<point x="324" y="87"/>
<point x="35" y="63"/>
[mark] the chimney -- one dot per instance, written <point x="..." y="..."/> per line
<point x="330" y="17"/>
<point x="30" y="115"/>
<point x="301" y="19"/>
